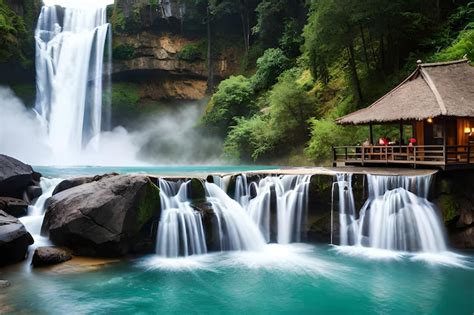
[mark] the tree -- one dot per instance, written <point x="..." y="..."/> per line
<point x="269" y="67"/>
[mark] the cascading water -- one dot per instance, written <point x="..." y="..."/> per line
<point x="347" y="213"/>
<point x="70" y="46"/>
<point x="290" y="193"/>
<point x="180" y="231"/>
<point x="397" y="216"/>
<point x="35" y="216"/>
<point x="235" y="230"/>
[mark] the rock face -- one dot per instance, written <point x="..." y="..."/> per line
<point x="156" y="62"/>
<point x="13" y="206"/>
<point x="14" y="239"/>
<point x="50" y="255"/>
<point x="15" y="177"/>
<point x="109" y="217"/>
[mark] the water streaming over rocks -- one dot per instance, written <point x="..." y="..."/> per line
<point x="397" y="215"/>
<point x="286" y="195"/>
<point x="180" y="232"/>
<point x="70" y="46"/>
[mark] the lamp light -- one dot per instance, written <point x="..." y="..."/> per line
<point x="430" y="120"/>
<point x="467" y="130"/>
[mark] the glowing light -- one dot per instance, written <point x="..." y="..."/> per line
<point x="430" y="120"/>
<point x="467" y="130"/>
<point x="78" y="3"/>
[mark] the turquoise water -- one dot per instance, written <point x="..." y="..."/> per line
<point x="66" y="172"/>
<point x="293" y="279"/>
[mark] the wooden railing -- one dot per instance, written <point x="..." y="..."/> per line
<point x="420" y="154"/>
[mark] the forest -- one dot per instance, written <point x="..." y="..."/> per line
<point x="302" y="64"/>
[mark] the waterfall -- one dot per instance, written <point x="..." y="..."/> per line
<point x="34" y="219"/>
<point x="289" y="193"/>
<point x="396" y="216"/>
<point x="70" y="46"/>
<point x="235" y="230"/>
<point x="180" y="231"/>
<point x="347" y="213"/>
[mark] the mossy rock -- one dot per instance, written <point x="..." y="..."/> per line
<point x="197" y="192"/>
<point x="449" y="207"/>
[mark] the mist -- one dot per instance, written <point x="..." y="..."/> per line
<point x="166" y="137"/>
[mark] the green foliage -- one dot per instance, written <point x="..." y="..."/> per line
<point x="26" y="92"/>
<point x="463" y="46"/>
<point x="125" y="99"/>
<point x="449" y="207"/>
<point x="250" y="139"/>
<point x="12" y="33"/>
<point x="270" y="16"/>
<point x="269" y="67"/>
<point x="123" y="52"/>
<point x="233" y="98"/>
<point x="291" y="39"/>
<point x="325" y="134"/>
<point x="193" y="52"/>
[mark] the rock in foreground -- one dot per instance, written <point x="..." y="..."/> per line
<point x="50" y="255"/>
<point x="15" y="177"/>
<point x="109" y="217"/>
<point x="13" y="206"/>
<point x="14" y="239"/>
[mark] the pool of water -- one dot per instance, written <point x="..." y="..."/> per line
<point x="281" y="279"/>
<point x="66" y="172"/>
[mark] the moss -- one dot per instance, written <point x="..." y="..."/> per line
<point x="197" y="191"/>
<point x="26" y="92"/>
<point x="149" y="204"/>
<point x="123" y="52"/>
<point x="192" y="52"/>
<point x="449" y="207"/>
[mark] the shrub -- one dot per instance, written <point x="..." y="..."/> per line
<point x="123" y="52"/>
<point x="192" y="52"/>
<point x="269" y="67"/>
<point x="233" y="98"/>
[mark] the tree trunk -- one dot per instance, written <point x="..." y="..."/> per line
<point x="210" y="72"/>
<point x="354" y="75"/>
<point x="245" y="24"/>
<point x="364" y="46"/>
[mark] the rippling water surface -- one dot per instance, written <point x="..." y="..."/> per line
<point x="281" y="279"/>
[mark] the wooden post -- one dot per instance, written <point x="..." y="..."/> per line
<point x="445" y="142"/>
<point x="401" y="133"/>
<point x="468" y="153"/>
<point x="371" y="134"/>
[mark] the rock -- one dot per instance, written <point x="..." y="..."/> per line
<point x="70" y="183"/>
<point x="13" y="206"/>
<point x="4" y="284"/>
<point x="15" y="176"/>
<point x="50" y="255"/>
<point x="104" y="218"/>
<point x="463" y="238"/>
<point x="14" y="239"/>
<point x="33" y="192"/>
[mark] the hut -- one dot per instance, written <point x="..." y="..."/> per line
<point x="437" y="103"/>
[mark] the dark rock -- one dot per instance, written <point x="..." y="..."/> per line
<point x="33" y="192"/>
<point x="73" y="182"/>
<point x="15" y="176"/>
<point x="4" y="284"/>
<point x="14" y="239"/>
<point x="13" y="206"/>
<point x="50" y="255"/>
<point x="105" y="217"/>
<point x="462" y="238"/>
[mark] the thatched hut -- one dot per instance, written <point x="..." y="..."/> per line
<point x="437" y="100"/>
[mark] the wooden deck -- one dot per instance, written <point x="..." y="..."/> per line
<point x="438" y="156"/>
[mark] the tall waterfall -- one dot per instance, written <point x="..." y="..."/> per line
<point x="180" y="232"/>
<point x="288" y="193"/>
<point x="396" y="216"/>
<point x="70" y="47"/>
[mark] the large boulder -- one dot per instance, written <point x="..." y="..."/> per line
<point x="50" y="255"/>
<point x="14" y="239"/>
<point x="13" y="206"/>
<point x="15" y="177"/>
<point x="73" y="182"/>
<point x="109" y="217"/>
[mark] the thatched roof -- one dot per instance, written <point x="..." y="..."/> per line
<point x="432" y="90"/>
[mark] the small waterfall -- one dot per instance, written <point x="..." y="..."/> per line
<point x="347" y="213"/>
<point x="180" y="232"/>
<point x="70" y="46"/>
<point x="34" y="219"/>
<point x="396" y="216"/>
<point x="236" y="231"/>
<point x="289" y="193"/>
